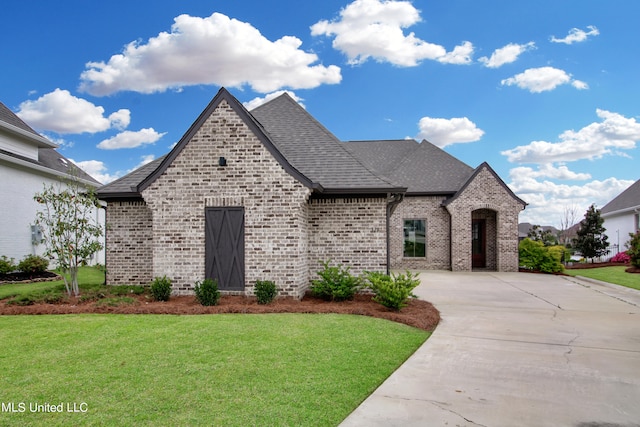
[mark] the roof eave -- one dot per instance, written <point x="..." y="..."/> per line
<point x="40" y="140"/>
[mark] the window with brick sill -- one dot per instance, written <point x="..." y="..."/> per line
<point x="415" y="238"/>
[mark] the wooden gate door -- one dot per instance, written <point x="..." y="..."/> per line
<point x="224" y="247"/>
<point x="478" y="243"/>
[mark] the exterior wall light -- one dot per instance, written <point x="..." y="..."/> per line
<point x="222" y="161"/>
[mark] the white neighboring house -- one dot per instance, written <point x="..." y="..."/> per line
<point x="28" y="161"/>
<point x="622" y="216"/>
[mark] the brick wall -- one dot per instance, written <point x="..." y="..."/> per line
<point x="348" y="231"/>
<point x="437" y="221"/>
<point x="274" y="203"/>
<point x="129" y="242"/>
<point x="485" y="192"/>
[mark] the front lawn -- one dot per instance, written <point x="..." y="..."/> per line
<point x="615" y="275"/>
<point x="88" y="278"/>
<point x="270" y="369"/>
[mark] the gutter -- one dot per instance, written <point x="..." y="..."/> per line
<point x="393" y="200"/>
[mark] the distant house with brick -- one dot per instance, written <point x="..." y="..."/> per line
<point x="622" y="216"/>
<point x="28" y="162"/>
<point x="268" y="194"/>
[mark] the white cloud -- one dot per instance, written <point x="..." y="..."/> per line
<point x="213" y="50"/>
<point x="615" y="132"/>
<point x="374" y="29"/>
<point x="96" y="169"/>
<point x="443" y="132"/>
<point x="256" y="102"/>
<point x="580" y="85"/>
<point x="547" y="199"/>
<point x="506" y="54"/>
<point x="542" y="79"/>
<point x="577" y="35"/>
<point x="63" y="113"/>
<point x="548" y="170"/>
<point x="130" y="139"/>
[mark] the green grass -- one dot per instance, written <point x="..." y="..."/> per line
<point x="89" y="279"/>
<point x="219" y="370"/>
<point x="615" y="275"/>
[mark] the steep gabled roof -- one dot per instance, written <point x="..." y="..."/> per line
<point x="422" y="167"/>
<point x="479" y="169"/>
<point x="304" y="148"/>
<point x="628" y="200"/>
<point x="316" y="152"/>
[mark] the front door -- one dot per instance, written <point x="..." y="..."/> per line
<point x="478" y="243"/>
<point x="224" y="247"/>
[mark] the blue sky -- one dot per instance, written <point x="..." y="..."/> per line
<point x="546" y="92"/>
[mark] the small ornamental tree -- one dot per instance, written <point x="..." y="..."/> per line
<point x="591" y="240"/>
<point x="634" y="249"/>
<point x="538" y="234"/>
<point x="67" y="217"/>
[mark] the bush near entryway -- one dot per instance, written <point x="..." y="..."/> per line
<point x="634" y="249"/>
<point x="535" y="256"/>
<point x="161" y="288"/>
<point x="336" y="283"/>
<point x="392" y="291"/>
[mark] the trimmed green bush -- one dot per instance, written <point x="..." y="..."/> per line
<point x="161" y="288"/>
<point x="392" y="291"/>
<point x="335" y="283"/>
<point x="33" y="264"/>
<point x="634" y="249"/>
<point x="207" y="292"/>
<point x="265" y="291"/>
<point x="7" y="265"/>
<point x="535" y="256"/>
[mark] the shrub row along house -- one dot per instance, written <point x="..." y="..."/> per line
<point x="267" y="194"/>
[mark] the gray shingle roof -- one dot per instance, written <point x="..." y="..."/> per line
<point x="8" y="116"/>
<point x="315" y="151"/>
<point x="628" y="199"/>
<point x="422" y="167"/>
<point x="126" y="186"/>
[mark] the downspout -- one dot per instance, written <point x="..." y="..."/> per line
<point x="393" y="200"/>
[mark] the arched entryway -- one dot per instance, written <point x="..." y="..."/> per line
<point x="484" y="245"/>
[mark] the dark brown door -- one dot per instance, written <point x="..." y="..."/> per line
<point x="224" y="247"/>
<point x="478" y="243"/>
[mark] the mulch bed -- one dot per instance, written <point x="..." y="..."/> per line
<point x="578" y="266"/>
<point x="419" y="314"/>
<point x="21" y="277"/>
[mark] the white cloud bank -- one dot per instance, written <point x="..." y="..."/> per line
<point x="613" y="133"/>
<point x="576" y="35"/>
<point x="442" y="132"/>
<point x="213" y="50"/>
<point x="506" y="54"/>
<point x="551" y="186"/>
<point x="63" y="113"/>
<point x="543" y="79"/>
<point x="131" y="139"/>
<point x="375" y="29"/>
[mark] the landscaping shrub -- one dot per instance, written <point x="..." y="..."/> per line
<point x="335" y="283"/>
<point x="7" y="265"/>
<point x="634" y="249"/>
<point x="33" y="264"/>
<point x="621" y="257"/>
<point x="535" y="256"/>
<point x="161" y="288"/>
<point x="207" y="292"/>
<point x="265" y="291"/>
<point x="392" y="291"/>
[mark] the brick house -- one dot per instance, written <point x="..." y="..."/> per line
<point x="267" y="194"/>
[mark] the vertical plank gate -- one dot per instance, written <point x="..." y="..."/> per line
<point x="224" y="247"/>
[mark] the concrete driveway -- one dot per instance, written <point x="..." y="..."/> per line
<point x="517" y="349"/>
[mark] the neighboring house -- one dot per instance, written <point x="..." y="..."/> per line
<point x="28" y="162"/>
<point x="268" y="194"/>
<point x="621" y="216"/>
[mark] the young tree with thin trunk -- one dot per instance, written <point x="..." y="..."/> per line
<point x="69" y="226"/>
